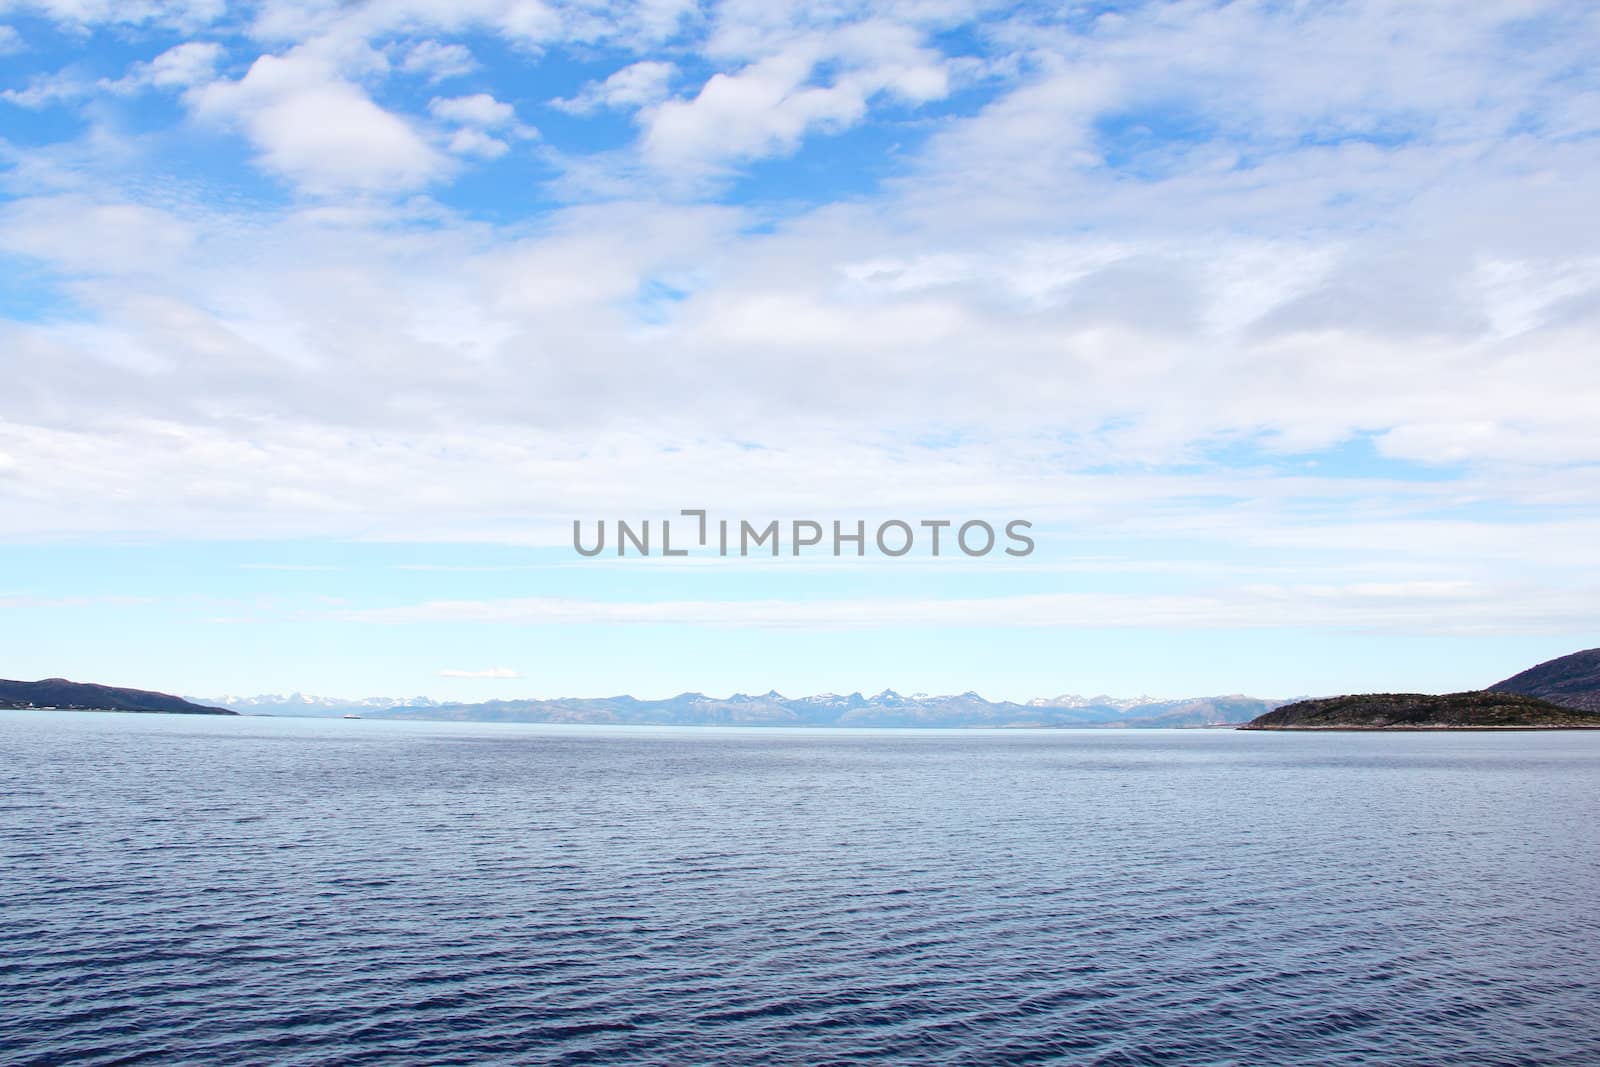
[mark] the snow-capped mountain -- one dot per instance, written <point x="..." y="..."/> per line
<point x="306" y="704"/>
<point x="885" y="708"/>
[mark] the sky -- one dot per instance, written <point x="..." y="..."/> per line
<point x="321" y="323"/>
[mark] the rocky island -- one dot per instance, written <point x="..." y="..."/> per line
<point x="1479" y="710"/>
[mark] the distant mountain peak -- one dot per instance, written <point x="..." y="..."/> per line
<point x="746" y="698"/>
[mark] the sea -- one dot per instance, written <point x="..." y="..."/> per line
<point x="216" y="891"/>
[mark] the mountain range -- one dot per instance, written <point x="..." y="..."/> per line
<point x="1571" y="681"/>
<point x="887" y="708"/>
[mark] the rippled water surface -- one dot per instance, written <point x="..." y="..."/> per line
<point x="281" y="891"/>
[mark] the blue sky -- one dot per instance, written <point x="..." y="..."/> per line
<point x="321" y="322"/>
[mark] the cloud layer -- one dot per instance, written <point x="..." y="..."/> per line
<point x="1163" y="269"/>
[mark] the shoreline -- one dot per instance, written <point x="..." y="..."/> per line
<point x="1410" y="729"/>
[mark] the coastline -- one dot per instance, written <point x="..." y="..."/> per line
<point x="1411" y="729"/>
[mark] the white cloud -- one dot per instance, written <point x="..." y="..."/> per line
<point x="524" y="24"/>
<point x="89" y="237"/>
<point x="438" y="61"/>
<point x="636" y="85"/>
<point x="476" y="115"/>
<point x="10" y="41"/>
<point x="474" y="142"/>
<point x="767" y="107"/>
<point x="180" y="67"/>
<point x="1414" y="607"/>
<point x="45" y="90"/>
<point x="184" y="65"/>
<point x="180" y="14"/>
<point x="1019" y="319"/>
<point x="312" y="125"/>
<point x="492" y="672"/>
<point x="192" y="63"/>
<point x="479" y="109"/>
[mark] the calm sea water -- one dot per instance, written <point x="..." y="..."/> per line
<point x="280" y="891"/>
